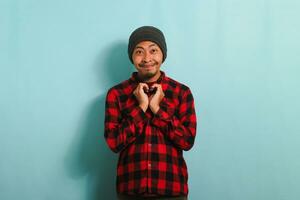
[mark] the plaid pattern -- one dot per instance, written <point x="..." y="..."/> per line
<point x="150" y="145"/>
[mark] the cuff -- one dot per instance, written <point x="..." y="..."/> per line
<point x="163" y="117"/>
<point x="137" y="115"/>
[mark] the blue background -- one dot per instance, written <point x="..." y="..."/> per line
<point x="240" y="59"/>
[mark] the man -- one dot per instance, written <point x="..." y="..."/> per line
<point x="149" y="120"/>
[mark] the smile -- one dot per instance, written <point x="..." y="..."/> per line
<point x="148" y="66"/>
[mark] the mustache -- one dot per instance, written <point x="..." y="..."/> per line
<point x="145" y="64"/>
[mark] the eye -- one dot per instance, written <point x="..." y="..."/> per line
<point x="138" y="52"/>
<point x="154" y="50"/>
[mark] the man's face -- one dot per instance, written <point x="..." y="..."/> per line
<point x="147" y="58"/>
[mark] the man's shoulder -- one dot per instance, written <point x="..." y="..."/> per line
<point x="176" y="84"/>
<point x="120" y="86"/>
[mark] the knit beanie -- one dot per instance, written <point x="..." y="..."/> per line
<point x="147" y="33"/>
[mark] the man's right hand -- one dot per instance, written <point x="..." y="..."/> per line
<point x="141" y="96"/>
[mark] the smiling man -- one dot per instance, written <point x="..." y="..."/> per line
<point x="150" y="120"/>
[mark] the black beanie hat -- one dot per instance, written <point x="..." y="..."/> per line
<point x="147" y="33"/>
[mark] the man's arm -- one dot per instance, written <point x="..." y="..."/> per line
<point x="120" y="130"/>
<point x="180" y="130"/>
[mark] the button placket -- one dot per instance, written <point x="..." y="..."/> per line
<point x="149" y="150"/>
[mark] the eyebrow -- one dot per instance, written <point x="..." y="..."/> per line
<point x="143" y="48"/>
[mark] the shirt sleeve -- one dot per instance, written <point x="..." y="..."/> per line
<point x="121" y="127"/>
<point x="180" y="128"/>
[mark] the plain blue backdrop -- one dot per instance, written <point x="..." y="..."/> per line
<point x="240" y="59"/>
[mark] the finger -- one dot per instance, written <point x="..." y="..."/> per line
<point x="157" y="86"/>
<point x="145" y="88"/>
<point x="143" y="85"/>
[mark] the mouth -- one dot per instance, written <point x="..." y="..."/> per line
<point x="147" y="66"/>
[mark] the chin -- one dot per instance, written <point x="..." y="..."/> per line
<point x="150" y="74"/>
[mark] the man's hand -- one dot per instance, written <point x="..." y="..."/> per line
<point x="141" y="96"/>
<point x="156" y="98"/>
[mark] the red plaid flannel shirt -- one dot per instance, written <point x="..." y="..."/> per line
<point x="150" y="145"/>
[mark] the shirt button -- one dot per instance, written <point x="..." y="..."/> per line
<point x="149" y="145"/>
<point x="149" y="165"/>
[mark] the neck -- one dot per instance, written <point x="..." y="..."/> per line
<point x="151" y="79"/>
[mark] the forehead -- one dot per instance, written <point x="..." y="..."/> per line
<point x="146" y="44"/>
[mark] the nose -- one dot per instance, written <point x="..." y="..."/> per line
<point x="147" y="57"/>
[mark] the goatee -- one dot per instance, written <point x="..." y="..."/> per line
<point x="149" y="75"/>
